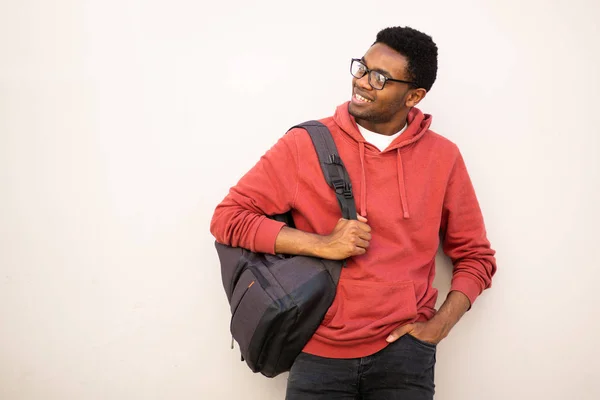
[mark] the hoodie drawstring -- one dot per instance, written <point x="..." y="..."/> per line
<point x="363" y="180"/>
<point x="401" y="186"/>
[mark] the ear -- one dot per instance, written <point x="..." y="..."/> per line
<point x="415" y="96"/>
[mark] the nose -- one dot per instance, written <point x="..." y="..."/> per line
<point x="363" y="82"/>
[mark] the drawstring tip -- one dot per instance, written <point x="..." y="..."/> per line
<point x="406" y="215"/>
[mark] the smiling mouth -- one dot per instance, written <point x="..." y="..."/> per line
<point x="361" y="99"/>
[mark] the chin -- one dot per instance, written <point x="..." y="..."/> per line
<point x="354" y="112"/>
<point x="358" y="114"/>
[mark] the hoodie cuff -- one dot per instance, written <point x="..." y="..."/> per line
<point x="266" y="233"/>
<point x="466" y="286"/>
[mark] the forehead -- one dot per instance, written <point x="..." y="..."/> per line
<point x="384" y="58"/>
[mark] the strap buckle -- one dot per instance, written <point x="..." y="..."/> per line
<point x="334" y="159"/>
<point x="342" y="188"/>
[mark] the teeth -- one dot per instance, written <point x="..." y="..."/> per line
<point x="359" y="97"/>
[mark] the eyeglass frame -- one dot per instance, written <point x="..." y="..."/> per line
<point x="368" y="72"/>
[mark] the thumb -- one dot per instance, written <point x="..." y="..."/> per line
<point x="399" y="332"/>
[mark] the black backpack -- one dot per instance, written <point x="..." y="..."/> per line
<point x="278" y="301"/>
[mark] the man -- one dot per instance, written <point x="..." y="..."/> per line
<point x="378" y="339"/>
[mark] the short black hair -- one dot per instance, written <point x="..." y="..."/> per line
<point x="419" y="49"/>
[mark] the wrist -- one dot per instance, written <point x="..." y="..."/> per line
<point x="439" y="327"/>
<point x="319" y="246"/>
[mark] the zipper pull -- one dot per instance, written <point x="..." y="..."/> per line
<point x="231" y="342"/>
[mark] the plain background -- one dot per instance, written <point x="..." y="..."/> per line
<point x="123" y="124"/>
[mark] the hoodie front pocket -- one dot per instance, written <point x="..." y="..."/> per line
<point x="363" y="309"/>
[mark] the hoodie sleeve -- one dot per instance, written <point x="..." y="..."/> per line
<point x="268" y="188"/>
<point x="464" y="235"/>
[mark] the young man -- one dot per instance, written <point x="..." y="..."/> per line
<point x="378" y="339"/>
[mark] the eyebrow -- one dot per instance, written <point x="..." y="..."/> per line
<point x="381" y="71"/>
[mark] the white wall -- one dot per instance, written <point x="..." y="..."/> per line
<point x="123" y="123"/>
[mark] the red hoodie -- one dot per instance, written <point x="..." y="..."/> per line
<point x="413" y="193"/>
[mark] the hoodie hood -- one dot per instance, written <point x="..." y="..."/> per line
<point x="417" y="125"/>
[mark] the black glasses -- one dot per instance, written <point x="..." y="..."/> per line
<point x="376" y="79"/>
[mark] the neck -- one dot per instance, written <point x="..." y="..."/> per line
<point x="386" y="128"/>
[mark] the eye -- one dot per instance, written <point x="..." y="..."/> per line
<point x="380" y="78"/>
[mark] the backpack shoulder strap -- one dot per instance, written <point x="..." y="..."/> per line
<point x="333" y="168"/>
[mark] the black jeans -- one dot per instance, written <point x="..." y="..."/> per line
<point x="404" y="370"/>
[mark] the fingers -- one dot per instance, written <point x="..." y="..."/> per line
<point x="362" y="243"/>
<point x="362" y="223"/>
<point x="353" y="225"/>
<point x="399" y="332"/>
<point x="361" y="231"/>
<point x="364" y="235"/>
<point x="352" y="236"/>
<point x="364" y="227"/>
<point x="360" y="237"/>
<point x="358" y="251"/>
